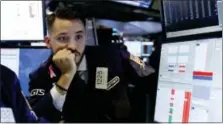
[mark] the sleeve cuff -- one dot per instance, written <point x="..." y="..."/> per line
<point x="58" y="99"/>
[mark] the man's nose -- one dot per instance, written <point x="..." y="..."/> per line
<point x="72" y="45"/>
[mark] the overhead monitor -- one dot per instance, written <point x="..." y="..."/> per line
<point x="23" y="61"/>
<point x="137" y="3"/>
<point x="134" y="47"/>
<point x="190" y="82"/>
<point x="22" y="21"/>
<point x="189" y="17"/>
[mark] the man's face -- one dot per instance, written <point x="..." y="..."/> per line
<point x="69" y="34"/>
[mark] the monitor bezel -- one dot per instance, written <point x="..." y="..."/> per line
<point x="194" y="37"/>
<point x="162" y="20"/>
<point x="44" y="28"/>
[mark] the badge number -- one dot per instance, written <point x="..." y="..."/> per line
<point x="101" y="78"/>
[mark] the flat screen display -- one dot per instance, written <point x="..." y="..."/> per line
<point x="190" y="82"/>
<point x="134" y="47"/>
<point x="189" y="17"/>
<point x="146" y="49"/>
<point x="23" y="61"/>
<point x="22" y="20"/>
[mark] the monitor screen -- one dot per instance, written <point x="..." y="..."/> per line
<point x="23" y="61"/>
<point x="134" y="47"/>
<point x="188" y="17"/>
<point x="22" y="20"/>
<point x="137" y="3"/>
<point x="146" y="49"/>
<point x="190" y="82"/>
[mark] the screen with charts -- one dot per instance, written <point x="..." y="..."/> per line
<point x="188" y="17"/>
<point x="190" y="82"/>
<point x="23" y="61"/>
<point x="22" y="20"/>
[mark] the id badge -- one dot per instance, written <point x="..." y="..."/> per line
<point x="101" y="80"/>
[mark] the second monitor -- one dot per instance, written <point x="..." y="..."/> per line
<point x="190" y="82"/>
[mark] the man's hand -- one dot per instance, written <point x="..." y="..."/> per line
<point x="65" y="61"/>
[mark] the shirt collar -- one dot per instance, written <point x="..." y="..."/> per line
<point x="83" y="64"/>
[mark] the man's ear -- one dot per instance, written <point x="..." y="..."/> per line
<point x="47" y="41"/>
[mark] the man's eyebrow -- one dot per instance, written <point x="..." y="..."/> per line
<point x="79" y="32"/>
<point x="63" y="33"/>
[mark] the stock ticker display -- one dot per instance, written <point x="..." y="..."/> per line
<point x="189" y="14"/>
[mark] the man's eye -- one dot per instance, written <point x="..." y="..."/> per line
<point x="78" y="37"/>
<point x="63" y="38"/>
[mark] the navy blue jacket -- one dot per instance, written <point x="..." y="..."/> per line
<point x="85" y="103"/>
<point x="12" y="97"/>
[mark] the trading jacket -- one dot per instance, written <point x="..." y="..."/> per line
<point x="13" y="99"/>
<point x="84" y="102"/>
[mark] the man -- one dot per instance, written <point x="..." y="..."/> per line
<point x="81" y="84"/>
<point x="13" y="105"/>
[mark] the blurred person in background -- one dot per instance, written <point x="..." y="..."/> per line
<point x="13" y="105"/>
<point x="79" y="83"/>
<point x="144" y="100"/>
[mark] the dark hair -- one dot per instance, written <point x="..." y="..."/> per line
<point x="64" y="13"/>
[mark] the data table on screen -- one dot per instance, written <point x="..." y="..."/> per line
<point x="196" y="91"/>
<point x="191" y="17"/>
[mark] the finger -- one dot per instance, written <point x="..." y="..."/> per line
<point x="59" y="51"/>
<point x="63" y="53"/>
<point x="69" y="59"/>
<point x="60" y="61"/>
<point x="68" y="52"/>
<point x="72" y="56"/>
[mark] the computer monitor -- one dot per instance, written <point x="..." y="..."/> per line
<point x="146" y="49"/>
<point x="190" y="82"/>
<point x="23" y="61"/>
<point x="134" y="47"/>
<point x="189" y="17"/>
<point x="22" y="21"/>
